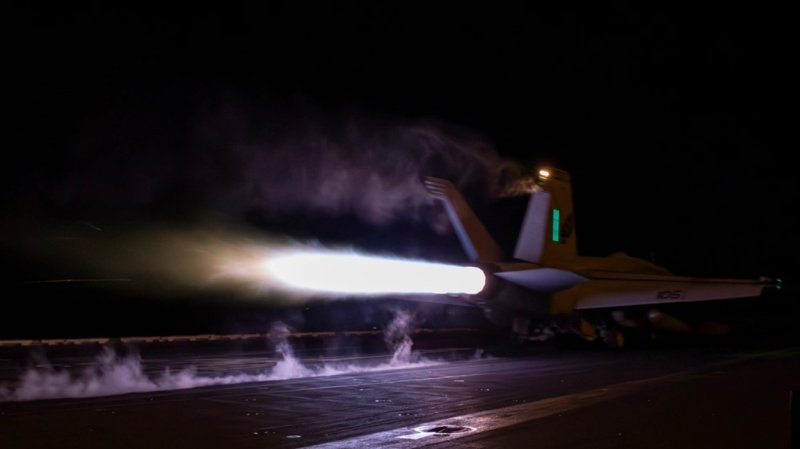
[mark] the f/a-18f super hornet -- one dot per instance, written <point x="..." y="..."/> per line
<point x="594" y="297"/>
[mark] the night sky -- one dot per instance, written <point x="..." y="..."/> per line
<point x="315" y="120"/>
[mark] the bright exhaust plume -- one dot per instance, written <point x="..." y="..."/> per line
<point x="370" y="275"/>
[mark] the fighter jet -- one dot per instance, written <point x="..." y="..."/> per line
<point x="596" y="298"/>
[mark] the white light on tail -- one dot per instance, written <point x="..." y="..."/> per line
<point x="355" y="274"/>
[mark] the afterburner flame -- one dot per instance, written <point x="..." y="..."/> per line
<point x="369" y="275"/>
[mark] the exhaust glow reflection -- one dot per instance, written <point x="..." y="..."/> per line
<point x="355" y="274"/>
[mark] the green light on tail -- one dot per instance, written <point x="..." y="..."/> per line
<point x="556" y="221"/>
<point x="776" y="283"/>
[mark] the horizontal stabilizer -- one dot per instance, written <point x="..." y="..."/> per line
<point x="542" y="279"/>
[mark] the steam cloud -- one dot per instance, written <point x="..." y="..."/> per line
<point x="373" y="170"/>
<point x="112" y="374"/>
<point x="396" y="335"/>
<point x="238" y="157"/>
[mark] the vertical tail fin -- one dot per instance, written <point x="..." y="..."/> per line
<point x="548" y="230"/>
<point x="475" y="239"/>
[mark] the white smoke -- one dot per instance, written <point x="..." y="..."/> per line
<point x="109" y="374"/>
<point x="112" y="374"/>
<point x="289" y="367"/>
<point x="245" y="157"/>
<point x="396" y="335"/>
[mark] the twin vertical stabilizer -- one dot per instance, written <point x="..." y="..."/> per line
<point x="548" y="229"/>
<point x="475" y="239"/>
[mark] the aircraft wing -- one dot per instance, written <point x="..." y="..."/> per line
<point x="627" y="289"/>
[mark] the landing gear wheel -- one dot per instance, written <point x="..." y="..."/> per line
<point x="614" y="338"/>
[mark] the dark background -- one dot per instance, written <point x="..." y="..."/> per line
<point x="672" y="122"/>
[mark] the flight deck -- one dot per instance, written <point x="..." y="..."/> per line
<point x="454" y="397"/>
